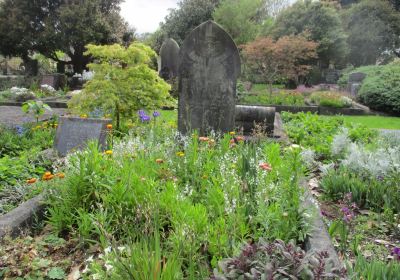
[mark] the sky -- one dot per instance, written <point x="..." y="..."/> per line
<point x="145" y="15"/>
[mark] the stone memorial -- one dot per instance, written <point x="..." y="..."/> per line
<point x="169" y="59"/>
<point x="354" y="83"/>
<point x="248" y="117"/>
<point x="208" y="70"/>
<point x="74" y="133"/>
<point x="56" y="81"/>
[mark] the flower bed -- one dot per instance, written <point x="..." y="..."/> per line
<point x="21" y="160"/>
<point x="177" y="207"/>
<point x="357" y="186"/>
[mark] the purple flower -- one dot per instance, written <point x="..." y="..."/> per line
<point x="396" y="253"/>
<point x="20" y="130"/>
<point x="144" y="118"/>
<point x="142" y="113"/>
<point x="156" y="114"/>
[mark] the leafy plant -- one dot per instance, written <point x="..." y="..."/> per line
<point x="375" y="269"/>
<point x="123" y="82"/>
<point x="277" y="260"/>
<point x="37" y="108"/>
<point x="331" y="99"/>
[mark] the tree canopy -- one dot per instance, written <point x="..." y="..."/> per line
<point x="181" y="21"/>
<point x="242" y="19"/>
<point x="68" y="25"/>
<point x="322" y="22"/>
<point x="374" y="31"/>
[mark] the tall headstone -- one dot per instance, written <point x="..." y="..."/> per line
<point x="208" y="70"/>
<point x="169" y="59"/>
<point x="74" y="133"/>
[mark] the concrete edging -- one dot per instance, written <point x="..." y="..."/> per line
<point x="319" y="239"/>
<point x="14" y="222"/>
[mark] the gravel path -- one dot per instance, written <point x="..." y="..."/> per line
<point x="391" y="131"/>
<point x="13" y="115"/>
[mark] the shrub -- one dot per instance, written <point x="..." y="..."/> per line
<point x="123" y="82"/>
<point x="331" y="99"/>
<point x="381" y="91"/>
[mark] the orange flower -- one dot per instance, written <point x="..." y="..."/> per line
<point x="47" y="176"/>
<point x="31" y="181"/>
<point x="109" y="126"/>
<point x="240" y="138"/>
<point x="265" y="166"/>
<point x="204" y="139"/>
<point x="60" y="175"/>
<point x="159" y="160"/>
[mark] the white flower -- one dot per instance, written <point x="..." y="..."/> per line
<point x="107" y="250"/>
<point x="108" y="266"/>
<point x="121" y="248"/>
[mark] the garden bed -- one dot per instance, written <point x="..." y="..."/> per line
<point x="196" y="201"/>
<point x="354" y="177"/>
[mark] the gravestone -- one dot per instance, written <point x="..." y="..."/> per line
<point x="248" y="117"/>
<point x="169" y="59"/>
<point x="355" y="82"/>
<point x="74" y="133"/>
<point x="56" y="81"/>
<point x="208" y="70"/>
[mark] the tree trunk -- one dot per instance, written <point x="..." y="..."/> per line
<point x="79" y="62"/>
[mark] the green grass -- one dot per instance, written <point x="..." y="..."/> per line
<point x="374" y="121"/>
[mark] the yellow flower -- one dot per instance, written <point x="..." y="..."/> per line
<point x="109" y="126"/>
<point x="180" y="154"/>
<point x="38" y="127"/>
<point x="84" y="116"/>
<point x="232" y="133"/>
<point x="108" y="152"/>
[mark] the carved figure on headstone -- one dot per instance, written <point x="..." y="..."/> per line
<point x="208" y="71"/>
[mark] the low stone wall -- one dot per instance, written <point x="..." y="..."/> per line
<point x="14" y="222"/>
<point x="319" y="110"/>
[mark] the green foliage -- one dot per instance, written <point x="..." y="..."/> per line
<point x="12" y="141"/>
<point x="369" y="270"/>
<point x="317" y="132"/>
<point x="202" y="198"/>
<point x="330" y="99"/>
<point x="277" y="98"/>
<point x="373" y="29"/>
<point x="123" y="82"/>
<point x="47" y="27"/>
<point x="36" y="108"/>
<point x="241" y="19"/>
<point x="381" y="90"/>
<point x="323" y="24"/>
<point x="181" y="21"/>
<point x="276" y="260"/>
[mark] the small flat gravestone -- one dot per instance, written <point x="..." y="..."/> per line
<point x="74" y="133"/>
<point x="208" y="70"/>
<point x="169" y="59"/>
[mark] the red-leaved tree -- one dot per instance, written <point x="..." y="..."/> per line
<point x="285" y="58"/>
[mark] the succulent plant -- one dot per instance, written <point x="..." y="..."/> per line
<point x="277" y="260"/>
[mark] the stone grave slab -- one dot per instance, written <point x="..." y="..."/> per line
<point x="74" y="133"/>
<point x="169" y="59"/>
<point x="208" y="70"/>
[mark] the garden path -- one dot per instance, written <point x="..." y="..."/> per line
<point x="391" y="131"/>
<point x="13" y="115"/>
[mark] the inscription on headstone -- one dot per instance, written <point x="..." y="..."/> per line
<point x="208" y="70"/>
<point x="169" y="59"/>
<point x="74" y="133"/>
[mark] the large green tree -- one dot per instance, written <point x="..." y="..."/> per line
<point x="323" y="24"/>
<point x="181" y="21"/>
<point x="242" y="19"/>
<point x="68" y="25"/>
<point x="374" y="31"/>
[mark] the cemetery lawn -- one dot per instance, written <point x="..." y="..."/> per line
<point x="374" y="121"/>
